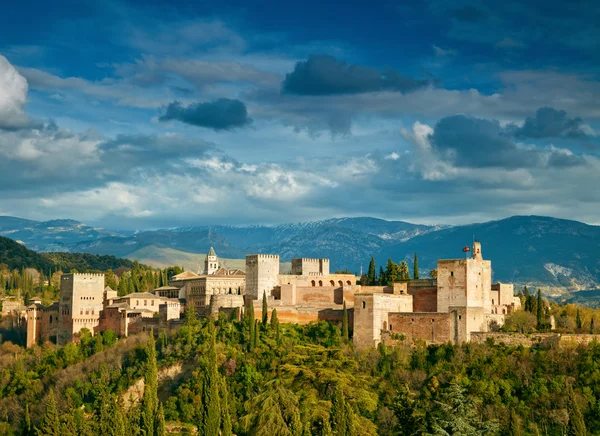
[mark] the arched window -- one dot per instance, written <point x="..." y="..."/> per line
<point x="332" y="283"/>
<point x="348" y="282"/>
<point x="320" y="282"/>
<point x="312" y="282"/>
<point x="341" y="283"/>
<point x="364" y="304"/>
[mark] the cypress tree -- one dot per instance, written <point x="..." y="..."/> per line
<point x="527" y="301"/>
<point x="150" y="398"/>
<point x="251" y="325"/>
<point x="265" y="313"/>
<point x="592" y="326"/>
<point x="210" y="415"/>
<point x="27" y="429"/>
<point x="381" y="279"/>
<point x="275" y="324"/>
<point x="50" y="425"/>
<point x="578" y="322"/>
<point x="255" y="338"/>
<point x="576" y="421"/>
<point x="540" y="310"/>
<point x="160" y="422"/>
<point x="371" y="279"/>
<point x="341" y="420"/>
<point x="416" y="268"/>
<point x="345" y="335"/>
<point x="226" y="428"/>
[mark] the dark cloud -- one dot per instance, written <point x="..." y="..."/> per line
<point x="550" y="123"/>
<point x="325" y="75"/>
<point x="467" y="14"/>
<point x="476" y="143"/>
<point x="221" y="114"/>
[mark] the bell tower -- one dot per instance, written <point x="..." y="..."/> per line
<point x="211" y="264"/>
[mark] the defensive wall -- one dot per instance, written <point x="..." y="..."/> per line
<point x="534" y="339"/>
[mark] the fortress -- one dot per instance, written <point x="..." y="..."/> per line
<point x="461" y="301"/>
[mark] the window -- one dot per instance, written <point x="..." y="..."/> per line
<point x="459" y="317"/>
<point x="151" y="302"/>
<point x="390" y="327"/>
<point x="364" y="304"/>
<point x="451" y="273"/>
<point x="137" y="302"/>
<point x="145" y="302"/>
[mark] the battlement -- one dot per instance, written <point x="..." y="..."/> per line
<point x="310" y="267"/>
<point x="262" y="256"/>
<point x="81" y="275"/>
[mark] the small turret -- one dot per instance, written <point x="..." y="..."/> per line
<point x="211" y="264"/>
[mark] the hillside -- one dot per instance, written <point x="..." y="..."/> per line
<point x="17" y="256"/>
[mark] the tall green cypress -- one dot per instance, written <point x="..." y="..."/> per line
<point x="27" y="429"/>
<point x="416" y="268"/>
<point x="210" y="416"/>
<point x="275" y="324"/>
<point x="371" y="279"/>
<point x="226" y="428"/>
<point x="341" y="419"/>
<point x="256" y="336"/>
<point x="576" y="421"/>
<point x="50" y="425"/>
<point x="265" y="313"/>
<point x="345" y="334"/>
<point x="578" y="321"/>
<point x="592" y="326"/>
<point x="150" y="398"/>
<point x="160" y="422"/>
<point x="540" y="310"/>
<point x="251" y="325"/>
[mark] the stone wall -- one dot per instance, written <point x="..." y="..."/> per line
<point x="424" y="293"/>
<point x="434" y="328"/>
<point x="310" y="267"/>
<point x="534" y="339"/>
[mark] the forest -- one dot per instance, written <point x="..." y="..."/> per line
<point x="257" y="377"/>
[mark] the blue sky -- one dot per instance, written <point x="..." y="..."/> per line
<point x="160" y="114"/>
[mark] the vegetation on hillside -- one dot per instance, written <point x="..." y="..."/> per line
<point x="250" y="378"/>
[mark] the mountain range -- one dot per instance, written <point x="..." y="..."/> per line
<point x="562" y="256"/>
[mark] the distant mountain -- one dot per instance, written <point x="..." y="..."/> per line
<point x="55" y="235"/>
<point x="560" y="255"/>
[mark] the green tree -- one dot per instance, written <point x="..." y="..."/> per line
<point x="345" y="333"/>
<point x="371" y="279"/>
<point x="540" y="310"/>
<point x="409" y="421"/>
<point x="341" y="414"/>
<point x="515" y="425"/>
<point x="578" y="321"/>
<point x="160" y="422"/>
<point x="150" y="398"/>
<point x="210" y="414"/>
<point x="226" y="428"/>
<point x="27" y="429"/>
<point x="50" y="425"/>
<point x="592" y="329"/>
<point x="275" y="324"/>
<point x="416" y="267"/>
<point x="392" y="273"/>
<point x="576" y="421"/>
<point x="265" y="310"/>
<point x="381" y="280"/>
<point x="403" y="271"/>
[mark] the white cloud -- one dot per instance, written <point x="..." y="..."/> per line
<point x="13" y="96"/>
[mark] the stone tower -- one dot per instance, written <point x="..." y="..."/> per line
<point x="262" y="272"/>
<point x="81" y="300"/>
<point x="477" y="251"/>
<point x="211" y="264"/>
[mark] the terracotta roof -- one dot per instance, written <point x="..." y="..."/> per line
<point x="167" y="288"/>
<point x="228" y="272"/>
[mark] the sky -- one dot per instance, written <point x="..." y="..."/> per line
<point x="154" y="114"/>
